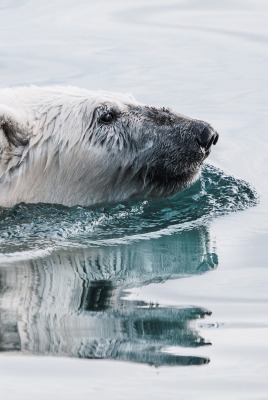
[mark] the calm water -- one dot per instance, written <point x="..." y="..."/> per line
<point x="109" y="294"/>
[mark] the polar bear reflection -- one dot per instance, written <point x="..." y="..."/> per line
<point x="70" y="304"/>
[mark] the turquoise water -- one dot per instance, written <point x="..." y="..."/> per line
<point x="35" y="227"/>
<point x="155" y="299"/>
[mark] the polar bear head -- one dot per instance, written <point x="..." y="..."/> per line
<point x="73" y="146"/>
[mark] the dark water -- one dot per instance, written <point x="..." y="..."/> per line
<point x="166" y="283"/>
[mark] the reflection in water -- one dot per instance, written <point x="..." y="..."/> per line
<point x="71" y="303"/>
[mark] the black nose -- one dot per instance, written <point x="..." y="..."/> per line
<point x="207" y="137"/>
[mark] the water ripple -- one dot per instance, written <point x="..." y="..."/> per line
<point x="43" y="226"/>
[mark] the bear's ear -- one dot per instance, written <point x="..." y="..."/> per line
<point x="13" y="136"/>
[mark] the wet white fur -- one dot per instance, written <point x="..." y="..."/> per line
<point x="59" y="164"/>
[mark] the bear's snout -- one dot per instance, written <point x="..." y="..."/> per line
<point x="206" y="136"/>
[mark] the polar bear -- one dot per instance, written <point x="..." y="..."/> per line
<point x="73" y="146"/>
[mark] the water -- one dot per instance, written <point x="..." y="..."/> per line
<point x="179" y="284"/>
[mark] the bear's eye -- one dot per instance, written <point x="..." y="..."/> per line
<point x="107" y="117"/>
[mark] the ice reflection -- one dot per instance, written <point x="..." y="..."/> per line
<point x="74" y="303"/>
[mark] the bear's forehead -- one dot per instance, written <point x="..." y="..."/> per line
<point x="98" y="96"/>
<point x="114" y="96"/>
<point x="36" y="97"/>
<point x="101" y="100"/>
<point x="111" y="100"/>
